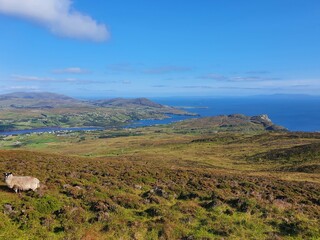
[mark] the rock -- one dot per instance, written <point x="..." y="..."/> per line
<point x="267" y="123"/>
<point x="8" y="209"/>
<point x="229" y="212"/>
<point x="265" y="117"/>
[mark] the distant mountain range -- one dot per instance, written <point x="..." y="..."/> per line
<point x="53" y="100"/>
<point x="122" y="102"/>
<point x="40" y="110"/>
<point x="287" y="96"/>
<point x="33" y="95"/>
<point x="38" y="100"/>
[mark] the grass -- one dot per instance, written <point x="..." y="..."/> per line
<point x="35" y="113"/>
<point x="159" y="183"/>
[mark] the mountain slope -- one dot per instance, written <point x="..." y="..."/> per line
<point x="234" y="122"/>
<point x="123" y="198"/>
<point x="34" y="95"/>
<point x="53" y="100"/>
<point x="41" y="110"/>
<point x="23" y="100"/>
<point x="122" y="102"/>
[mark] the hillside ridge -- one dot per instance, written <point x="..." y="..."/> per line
<point x="232" y="122"/>
<point x="40" y="110"/>
<point x="54" y="100"/>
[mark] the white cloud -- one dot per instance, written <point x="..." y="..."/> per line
<point x="58" y="16"/>
<point x="25" y="78"/>
<point x="19" y="88"/>
<point x="31" y="78"/>
<point x="222" y="78"/>
<point x="23" y="88"/>
<point x="72" y="70"/>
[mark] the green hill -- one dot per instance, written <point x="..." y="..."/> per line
<point x="122" y="102"/>
<point x="231" y="123"/>
<point x="40" y="110"/>
<point x="24" y="100"/>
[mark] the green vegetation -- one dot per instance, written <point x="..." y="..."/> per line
<point x="159" y="183"/>
<point x="40" y="110"/>
<point x="225" y="177"/>
<point x="230" y="123"/>
<point x="297" y="154"/>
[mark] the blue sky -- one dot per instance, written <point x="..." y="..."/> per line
<point x="160" y="48"/>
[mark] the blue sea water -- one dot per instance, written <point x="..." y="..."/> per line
<point x="151" y="122"/>
<point x="296" y="113"/>
<point x="49" y="129"/>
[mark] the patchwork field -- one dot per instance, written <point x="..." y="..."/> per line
<point x="41" y="110"/>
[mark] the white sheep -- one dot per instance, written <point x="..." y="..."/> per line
<point x="21" y="183"/>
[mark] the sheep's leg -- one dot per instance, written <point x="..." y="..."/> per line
<point x="17" y="190"/>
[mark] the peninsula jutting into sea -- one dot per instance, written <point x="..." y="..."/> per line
<point x="159" y="120"/>
<point x="226" y="167"/>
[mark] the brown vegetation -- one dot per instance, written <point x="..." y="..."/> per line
<point x="155" y="183"/>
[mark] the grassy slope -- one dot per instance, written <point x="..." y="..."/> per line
<point x="158" y="183"/>
<point x="40" y="110"/>
<point x="81" y="116"/>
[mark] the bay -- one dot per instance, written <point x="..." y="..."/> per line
<point x="296" y="113"/>
<point x="48" y="129"/>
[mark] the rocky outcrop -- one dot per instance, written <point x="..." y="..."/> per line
<point x="267" y="123"/>
<point x="233" y="123"/>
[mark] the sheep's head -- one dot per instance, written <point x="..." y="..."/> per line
<point x="6" y="175"/>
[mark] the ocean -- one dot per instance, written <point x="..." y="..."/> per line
<point x="296" y="113"/>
